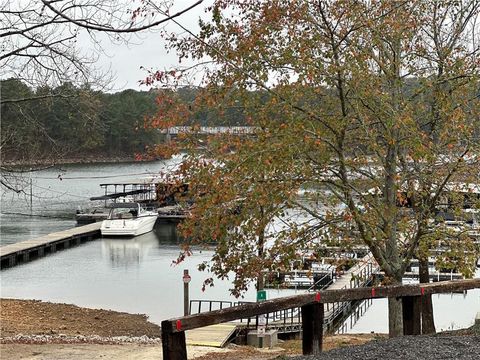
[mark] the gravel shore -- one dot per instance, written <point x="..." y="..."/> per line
<point x="463" y="347"/>
<point x="79" y="339"/>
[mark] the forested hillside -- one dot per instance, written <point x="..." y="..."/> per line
<point x="69" y="122"/>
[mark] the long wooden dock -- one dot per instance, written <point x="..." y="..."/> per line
<point x="24" y="251"/>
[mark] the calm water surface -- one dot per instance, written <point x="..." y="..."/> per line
<point x="135" y="275"/>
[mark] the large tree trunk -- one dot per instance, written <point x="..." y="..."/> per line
<point x="428" y="324"/>
<point x="260" y="282"/>
<point x="395" y="309"/>
<point x="395" y="317"/>
<point x="261" y="255"/>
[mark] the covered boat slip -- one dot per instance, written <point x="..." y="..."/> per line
<point x="137" y="190"/>
<point x="164" y="195"/>
<point x="151" y="189"/>
<point x="142" y="191"/>
<point x="120" y="194"/>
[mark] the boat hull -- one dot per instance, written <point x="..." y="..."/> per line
<point x="128" y="227"/>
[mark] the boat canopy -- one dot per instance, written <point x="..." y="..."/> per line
<point x="120" y="194"/>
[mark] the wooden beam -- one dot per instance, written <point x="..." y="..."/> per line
<point x="174" y="346"/>
<point x="312" y="326"/>
<point x="412" y="314"/>
<point x="326" y="296"/>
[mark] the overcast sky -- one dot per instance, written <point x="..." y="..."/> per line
<point x="146" y="49"/>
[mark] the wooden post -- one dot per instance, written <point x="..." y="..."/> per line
<point x="412" y="314"/>
<point x="186" y="297"/>
<point x="174" y="346"/>
<point x="312" y="325"/>
<point x="31" y="195"/>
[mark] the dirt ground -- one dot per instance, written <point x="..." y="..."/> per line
<point x="32" y="318"/>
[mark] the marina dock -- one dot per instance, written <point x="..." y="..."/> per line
<point x="289" y="321"/>
<point x="24" y="251"/>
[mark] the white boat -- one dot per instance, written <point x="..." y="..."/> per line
<point x="128" y="219"/>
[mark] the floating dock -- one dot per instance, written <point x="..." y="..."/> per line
<point x="24" y="251"/>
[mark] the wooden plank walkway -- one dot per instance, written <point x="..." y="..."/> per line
<point x="355" y="271"/>
<point x="213" y="335"/>
<point x="27" y="250"/>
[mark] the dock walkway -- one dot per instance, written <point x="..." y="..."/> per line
<point x="213" y="335"/>
<point x="24" y="251"/>
<point x="359" y="273"/>
<point x="290" y="320"/>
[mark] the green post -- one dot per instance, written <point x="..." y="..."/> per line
<point x="261" y="321"/>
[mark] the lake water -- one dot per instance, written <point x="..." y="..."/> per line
<point x="135" y="275"/>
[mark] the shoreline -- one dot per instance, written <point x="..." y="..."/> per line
<point x="13" y="164"/>
<point x="32" y="328"/>
<point x="57" y="330"/>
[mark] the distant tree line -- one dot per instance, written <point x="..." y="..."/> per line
<point x="73" y="122"/>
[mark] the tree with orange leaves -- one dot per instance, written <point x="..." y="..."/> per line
<point x="355" y="104"/>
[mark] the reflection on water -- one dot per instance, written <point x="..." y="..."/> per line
<point x="134" y="275"/>
<point x="128" y="252"/>
<point x="131" y="251"/>
<point x="166" y="233"/>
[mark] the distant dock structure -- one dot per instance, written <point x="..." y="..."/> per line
<point x="151" y="191"/>
<point x="175" y="131"/>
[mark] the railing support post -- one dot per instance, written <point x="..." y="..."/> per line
<point x="412" y="314"/>
<point x="174" y="346"/>
<point x="312" y="325"/>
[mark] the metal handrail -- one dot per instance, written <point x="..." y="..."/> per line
<point x="290" y="318"/>
<point x="330" y="275"/>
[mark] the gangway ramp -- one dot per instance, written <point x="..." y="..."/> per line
<point x="214" y="335"/>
